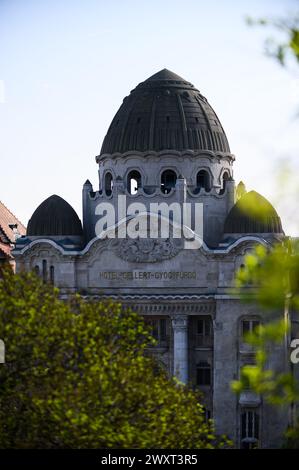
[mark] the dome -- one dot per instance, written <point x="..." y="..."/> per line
<point x="165" y="112"/>
<point x="253" y="214"/>
<point x="54" y="216"/>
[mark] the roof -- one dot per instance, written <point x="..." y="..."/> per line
<point x="165" y="112"/>
<point x="253" y="214"/>
<point x="54" y="216"/>
<point x="7" y="220"/>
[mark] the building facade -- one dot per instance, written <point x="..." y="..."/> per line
<point x="167" y="146"/>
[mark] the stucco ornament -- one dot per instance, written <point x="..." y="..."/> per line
<point x="148" y="249"/>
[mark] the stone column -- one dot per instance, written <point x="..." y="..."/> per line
<point x="180" y="347"/>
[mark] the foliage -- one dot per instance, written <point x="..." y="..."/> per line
<point x="77" y="376"/>
<point x="289" y="27"/>
<point x="292" y="438"/>
<point x="278" y="388"/>
<point x="273" y="274"/>
<point x="240" y="190"/>
<point x="274" y="280"/>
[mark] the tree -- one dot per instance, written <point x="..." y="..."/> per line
<point x="274" y="276"/>
<point x="77" y="376"/>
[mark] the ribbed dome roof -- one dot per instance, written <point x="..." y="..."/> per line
<point x="54" y="216"/>
<point x="253" y="214"/>
<point x="165" y="112"/>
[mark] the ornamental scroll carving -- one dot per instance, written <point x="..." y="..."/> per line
<point x="149" y="250"/>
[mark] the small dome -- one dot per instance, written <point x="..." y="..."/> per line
<point x="165" y="112"/>
<point x="253" y="214"/>
<point x="54" y="216"/>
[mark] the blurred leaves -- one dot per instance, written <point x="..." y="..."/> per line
<point x="277" y="388"/>
<point x="273" y="275"/>
<point x="240" y="190"/>
<point x="289" y="27"/>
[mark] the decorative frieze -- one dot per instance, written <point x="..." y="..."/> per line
<point x="172" y="308"/>
<point x="148" y="250"/>
<point x="167" y="305"/>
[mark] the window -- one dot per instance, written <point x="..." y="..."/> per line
<point x="204" y="331"/>
<point x="225" y="178"/>
<point x="159" y="327"/>
<point x="203" y="180"/>
<point x="248" y="326"/>
<point x="168" y="181"/>
<point x="249" y="429"/>
<point x="52" y="274"/>
<point x="108" y="183"/>
<point x="36" y="270"/>
<point x="203" y="373"/>
<point x="45" y="274"/>
<point x="133" y="181"/>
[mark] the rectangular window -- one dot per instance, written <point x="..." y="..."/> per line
<point x="204" y="332"/>
<point x="162" y="329"/>
<point x="248" y="326"/>
<point x="159" y="328"/>
<point x="204" y="326"/>
<point x="203" y="374"/>
<point x="249" y="425"/>
<point x="155" y="329"/>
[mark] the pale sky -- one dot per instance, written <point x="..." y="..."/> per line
<point x="66" y="65"/>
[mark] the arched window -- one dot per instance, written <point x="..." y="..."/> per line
<point x="108" y="183"/>
<point x="45" y="276"/>
<point x="133" y="181"/>
<point x="203" y="373"/>
<point x="52" y="274"/>
<point x="225" y="178"/>
<point x="168" y="180"/>
<point x="203" y="180"/>
<point x="36" y="270"/>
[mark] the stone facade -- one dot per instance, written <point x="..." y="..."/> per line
<point x="185" y="294"/>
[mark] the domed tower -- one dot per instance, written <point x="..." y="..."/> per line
<point x="253" y="215"/>
<point x="54" y="218"/>
<point x="165" y="143"/>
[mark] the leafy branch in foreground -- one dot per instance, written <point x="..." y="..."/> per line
<point x="289" y="27"/>
<point x="273" y="276"/>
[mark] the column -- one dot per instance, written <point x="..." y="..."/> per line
<point x="180" y="347"/>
